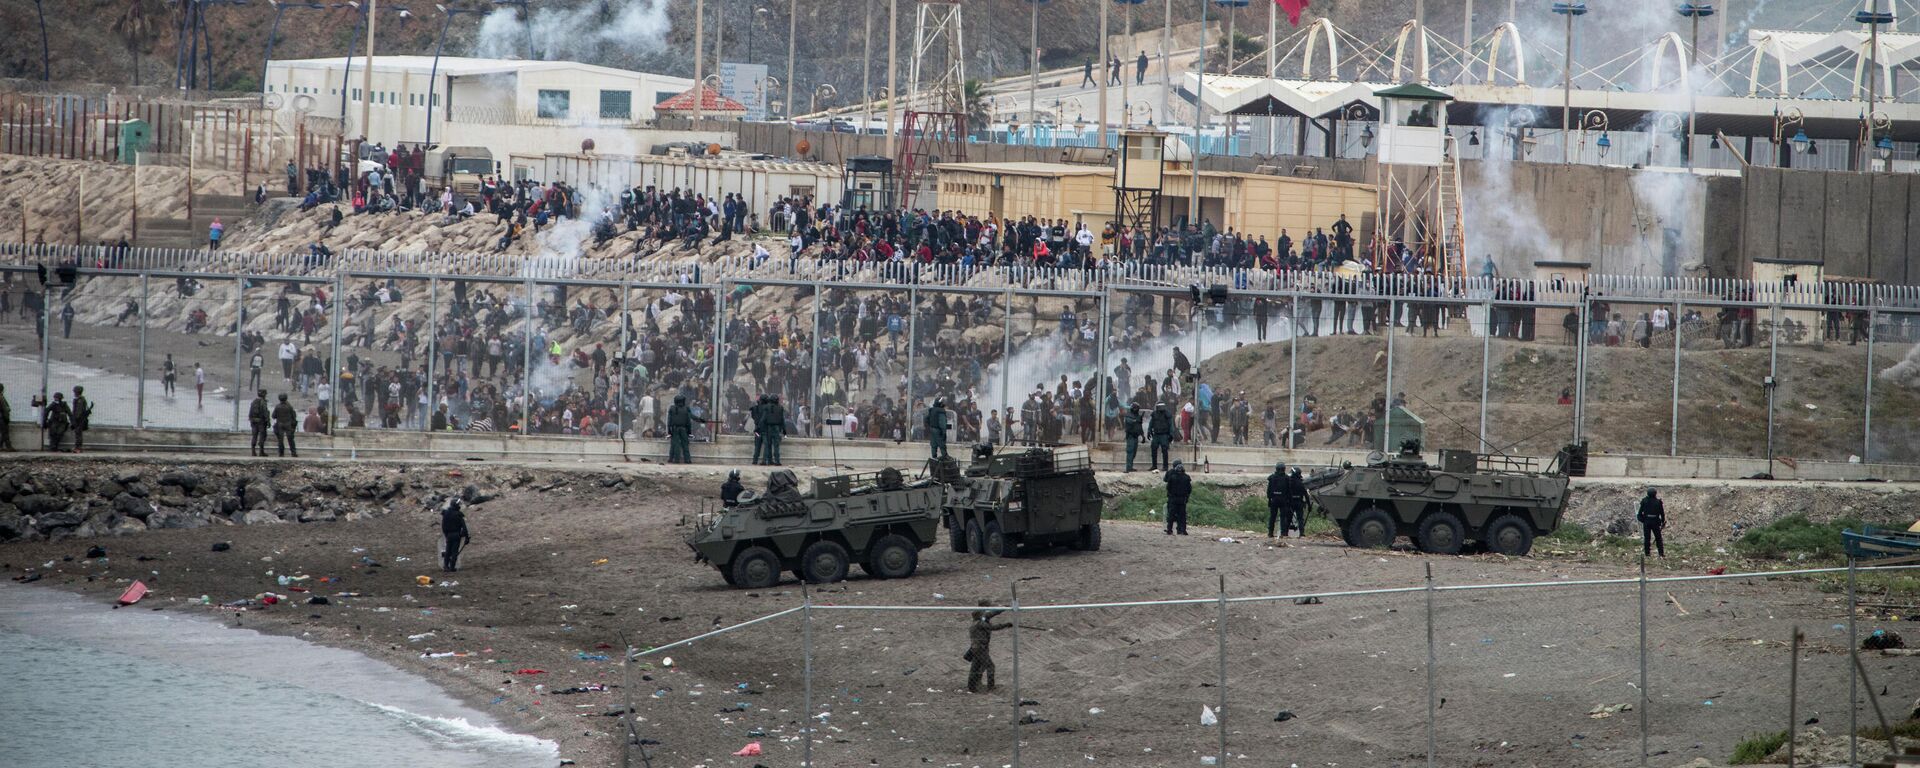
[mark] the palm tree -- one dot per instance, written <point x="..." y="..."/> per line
<point x="138" y="26"/>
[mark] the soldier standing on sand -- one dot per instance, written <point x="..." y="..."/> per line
<point x="56" y="420"/>
<point x="259" y="417"/>
<point x="680" y="420"/>
<point x="937" y="429"/>
<point x="1295" y="504"/>
<point x="1132" y="421"/>
<point x="1160" y="431"/>
<point x="1179" y="488"/>
<point x="285" y="421"/>
<point x="979" y="638"/>
<point x="82" y="418"/>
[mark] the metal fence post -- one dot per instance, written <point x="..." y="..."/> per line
<point x="140" y="399"/>
<point x="1793" y="694"/>
<point x="239" y="332"/>
<point x="1293" y="377"/>
<point x="1580" y="366"/>
<point x="716" y="421"/>
<point x="907" y="404"/>
<point x="1866" y="446"/>
<point x="1486" y="364"/>
<point x="1432" y="693"/>
<point x="1645" y="699"/>
<point x="433" y="351"/>
<point x="1100" y="369"/>
<point x="526" y="359"/>
<point x="1386" y="426"/>
<point x="1006" y="367"/>
<point x="1015" y="592"/>
<point x="1773" y="373"/>
<point x="1853" y="650"/>
<point x="1673" y="420"/>
<point x="620" y="364"/>
<point x="333" y="365"/>
<point x="813" y="381"/>
<point x="806" y="653"/>
<point x="1220" y="714"/>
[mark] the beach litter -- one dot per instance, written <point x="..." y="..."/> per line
<point x="752" y="749"/>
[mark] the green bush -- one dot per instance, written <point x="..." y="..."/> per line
<point x="1756" y="748"/>
<point x="1795" y="534"/>
<point x="1570" y="533"/>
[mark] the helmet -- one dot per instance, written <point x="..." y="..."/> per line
<point x="1178" y="465"/>
<point x="679" y="399"/>
<point x="1280" y="466"/>
<point x="733" y="474"/>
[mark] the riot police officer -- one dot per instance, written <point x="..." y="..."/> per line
<point x="1277" y="500"/>
<point x="680" y="421"/>
<point x="1179" y="489"/>
<point x="1132" y="422"/>
<point x="1160" y="431"/>
<point x="285" y="421"/>
<point x="757" y="417"/>
<point x="259" y="417"/>
<point x="773" y="419"/>
<point x="730" y="490"/>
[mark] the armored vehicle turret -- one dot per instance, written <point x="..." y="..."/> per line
<point x="876" y="519"/>
<point x="1033" y="498"/>
<point x="1499" y="501"/>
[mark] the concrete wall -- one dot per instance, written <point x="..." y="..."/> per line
<point x="1855" y="224"/>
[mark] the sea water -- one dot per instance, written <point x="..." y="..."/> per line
<point x="85" y="686"/>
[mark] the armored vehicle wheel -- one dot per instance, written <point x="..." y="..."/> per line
<point x="956" y="535"/>
<point x="755" y="568"/>
<point x="1441" y="533"/>
<point x="976" y="538"/>
<point x="1509" y="535"/>
<point x="1371" y="528"/>
<point x="999" y="544"/>
<point x="824" y="562"/>
<point x="893" y="557"/>
<point x="1089" y="538"/>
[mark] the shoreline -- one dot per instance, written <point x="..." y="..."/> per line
<point x="268" y="654"/>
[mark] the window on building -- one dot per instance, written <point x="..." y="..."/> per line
<point x="356" y="94"/>
<point x="616" y="105"/>
<point x="660" y="96"/>
<point x="555" y="105"/>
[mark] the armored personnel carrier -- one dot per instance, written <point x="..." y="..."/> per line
<point x="876" y="519"/>
<point x="1501" y="502"/>
<point x="1003" y="502"/>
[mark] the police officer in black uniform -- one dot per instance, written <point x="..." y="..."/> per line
<point x="1295" y="504"/>
<point x="260" y="417"/>
<point x="1179" y="488"/>
<point x="1132" y="422"/>
<point x="680" y="421"/>
<point x="1277" y="499"/>
<point x="757" y="417"/>
<point x="1653" y="520"/>
<point x="1160" y="431"/>
<point x="730" y="490"/>
<point x="453" y="526"/>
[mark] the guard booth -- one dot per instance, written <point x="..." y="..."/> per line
<point x="869" y="183"/>
<point x="135" y="137"/>
<point x="1137" y="177"/>
<point x="1419" y="203"/>
<point x="1413" y="125"/>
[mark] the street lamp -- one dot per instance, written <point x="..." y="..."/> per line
<point x="1693" y="12"/>
<point x="346" y="75"/>
<point x="273" y="32"/>
<point x="1033" y="61"/>
<point x="822" y="91"/>
<point x="1569" y="10"/>
<point x="1876" y="129"/>
<point x="433" y="74"/>
<point x="1594" y="120"/>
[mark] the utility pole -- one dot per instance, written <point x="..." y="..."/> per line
<point x="699" y="56"/>
<point x="1166" y="64"/>
<point x="793" y="25"/>
<point x="893" y="70"/>
<point x="866" y="71"/>
<point x="366" y="74"/>
<point x="1106" y="70"/>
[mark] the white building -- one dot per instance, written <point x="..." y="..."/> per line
<point x="510" y="107"/>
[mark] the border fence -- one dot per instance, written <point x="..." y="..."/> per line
<point x="1635" y="365"/>
<point x="1221" y="703"/>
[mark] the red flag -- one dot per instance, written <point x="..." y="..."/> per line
<point x="1293" y="9"/>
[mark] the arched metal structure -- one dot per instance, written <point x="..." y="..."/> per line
<point x="1495" y="41"/>
<point x="1400" y="50"/>
<point x="1762" y="48"/>
<point x="1669" y="42"/>
<point x="1321" y="28"/>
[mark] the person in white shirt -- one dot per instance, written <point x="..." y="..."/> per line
<point x="288" y="351"/>
<point x="1660" y="319"/>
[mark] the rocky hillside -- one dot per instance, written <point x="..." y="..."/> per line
<point x="85" y="44"/>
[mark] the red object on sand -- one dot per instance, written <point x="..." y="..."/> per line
<point x="133" y="593"/>
<point x="1716" y="570"/>
<point x="530" y="672"/>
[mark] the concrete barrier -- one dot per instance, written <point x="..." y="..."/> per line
<point x="737" y="450"/>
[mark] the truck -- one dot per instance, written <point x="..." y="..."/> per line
<point x="463" y="168"/>
<point x="1496" y="501"/>
<point x="878" y="520"/>
<point x="1001" y="503"/>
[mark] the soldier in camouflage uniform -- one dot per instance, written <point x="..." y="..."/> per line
<point x="979" y="638"/>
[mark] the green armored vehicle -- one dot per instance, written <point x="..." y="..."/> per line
<point x="876" y="519"/>
<point x="1501" y="502"/>
<point x="1036" y="498"/>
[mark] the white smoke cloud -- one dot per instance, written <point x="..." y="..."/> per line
<point x="1905" y="373"/>
<point x="1504" y="223"/>
<point x="574" y="33"/>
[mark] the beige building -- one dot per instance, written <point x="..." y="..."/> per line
<point x="1254" y="203"/>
